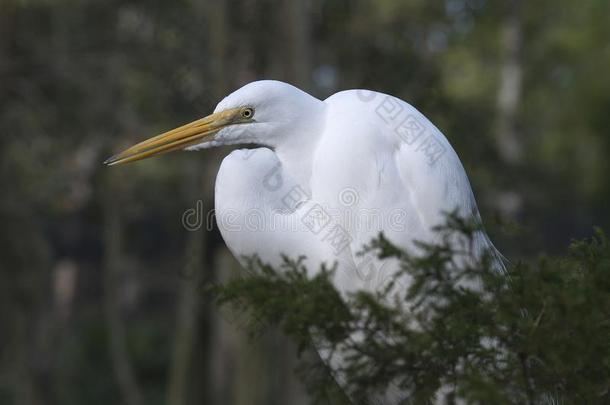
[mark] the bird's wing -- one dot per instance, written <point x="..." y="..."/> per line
<point x="386" y="168"/>
<point x="382" y="166"/>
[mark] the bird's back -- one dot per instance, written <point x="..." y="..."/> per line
<point x="394" y="164"/>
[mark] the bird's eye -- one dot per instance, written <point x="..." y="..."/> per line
<point x="247" y="113"/>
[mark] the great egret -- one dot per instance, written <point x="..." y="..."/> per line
<point x="328" y="176"/>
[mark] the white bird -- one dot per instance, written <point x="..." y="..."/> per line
<point x="327" y="177"/>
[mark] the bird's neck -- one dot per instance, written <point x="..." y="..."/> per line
<point x="297" y="164"/>
<point x="297" y="155"/>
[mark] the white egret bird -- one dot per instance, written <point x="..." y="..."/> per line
<point x="328" y="176"/>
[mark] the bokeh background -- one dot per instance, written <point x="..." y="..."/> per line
<point x="102" y="271"/>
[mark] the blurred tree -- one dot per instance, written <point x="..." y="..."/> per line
<point x="113" y="279"/>
<point x="509" y="94"/>
<point x="80" y="80"/>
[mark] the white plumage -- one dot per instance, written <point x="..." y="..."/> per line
<point x="359" y="162"/>
<point x="328" y="177"/>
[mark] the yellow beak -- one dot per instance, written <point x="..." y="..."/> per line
<point x="196" y="132"/>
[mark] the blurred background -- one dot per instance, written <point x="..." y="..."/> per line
<point x="102" y="270"/>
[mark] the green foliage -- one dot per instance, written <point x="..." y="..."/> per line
<point x="305" y="306"/>
<point x="537" y="333"/>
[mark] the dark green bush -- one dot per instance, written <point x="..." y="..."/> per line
<point x="537" y="333"/>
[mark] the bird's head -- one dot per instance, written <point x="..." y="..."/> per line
<point x="266" y="112"/>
